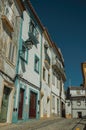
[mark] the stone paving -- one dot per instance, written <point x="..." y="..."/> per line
<point x="48" y="124"/>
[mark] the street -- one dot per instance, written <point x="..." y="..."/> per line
<point x="48" y="124"/>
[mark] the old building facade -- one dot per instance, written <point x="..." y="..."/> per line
<point x="46" y="76"/>
<point x="76" y="98"/>
<point x="9" y="30"/>
<point x="28" y="67"/>
<point x="76" y="103"/>
<point x="32" y="72"/>
<point x="58" y="79"/>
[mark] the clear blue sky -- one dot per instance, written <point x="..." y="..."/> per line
<point x="66" y="23"/>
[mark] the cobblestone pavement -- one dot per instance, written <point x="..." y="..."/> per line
<point x="48" y="124"/>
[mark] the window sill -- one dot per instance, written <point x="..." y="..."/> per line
<point x="10" y="63"/>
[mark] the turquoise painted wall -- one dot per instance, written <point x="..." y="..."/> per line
<point x="15" y="109"/>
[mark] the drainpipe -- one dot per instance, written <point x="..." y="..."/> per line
<point x="40" y="74"/>
<point x="14" y="119"/>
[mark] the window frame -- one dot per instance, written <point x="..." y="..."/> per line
<point x="53" y="78"/>
<point x="48" y="79"/>
<point x="44" y="74"/>
<point x="11" y="52"/>
<point x="36" y="65"/>
<point x="24" y="51"/>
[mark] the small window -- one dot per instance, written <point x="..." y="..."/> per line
<point x="24" y="53"/>
<point x="53" y="102"/>
<point x="36" y="64"/>
<point x="49" y="79"/>
<point x="78" y="92"/>
<point x="11" y="52"/>
<point x="53" y="79"/>
<point x="33" y="30"/>
<point x="37" y="34"/>
<point x="57" y="83"/>
<point x="32" y="26"/>
<point x="44" y="72"/>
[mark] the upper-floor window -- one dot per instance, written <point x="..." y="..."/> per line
<point x="33" y="30"/>
<point x="9" y="46"/>
<point x="9" y="10"/>
<point x="24" y="53"/>
<point x="11" y="52"/>
<point x="32" y="26"/>
<point x="44" y="73"/>
<point x="78" y="92"/>
<point x="36" y="64"/>
<point x="48" y="79"/>
<point x="53" y="79"/>
<point x="57" y="83"/>
<point x="53" y="102"/>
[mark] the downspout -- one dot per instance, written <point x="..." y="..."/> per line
<point x="14" y="116"/>
<point x="40" y="74"/>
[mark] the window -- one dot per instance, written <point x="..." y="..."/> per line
<point x="11" y="54"/>
<point x="37" y="34"/>
<point x="24" y="53"/>
<point x="58" y="106"/>
<point x="78" y="92"/>
<point x="57" y="83"/>
<point x="53" y="79"/>
<point x="49" y="79"/>
<point x="44" y="71"/>
<point x="32" y="26"/>
<point x="53" y="102"/>
<point x="36" y="64"/>
<point x="33" y="30"/>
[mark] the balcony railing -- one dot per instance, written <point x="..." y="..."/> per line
<point x="33" y="36"/>
<point x="57" y="66"/>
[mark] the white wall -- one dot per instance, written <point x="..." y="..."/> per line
<point x="30" y="74"/>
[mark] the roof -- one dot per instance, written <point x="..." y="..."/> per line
<point x="76" y="88"/>
<point x="48" y="36"/>
<point x="35" y="14"/>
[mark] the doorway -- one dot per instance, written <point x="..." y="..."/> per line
<point x="4" y="106"/>
<point x="79" y="114"/>
<point x="21" y="101"/>
<point x="33" y="104"/>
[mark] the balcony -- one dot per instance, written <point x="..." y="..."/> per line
<point x="33" y="38"/>
<point x="8" y="19"/>
<point x="47" y="60"/>
<point x="57" y="67"/>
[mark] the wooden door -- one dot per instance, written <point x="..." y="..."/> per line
<point x="4" y="106"/>
<point x="32" y="111"/>
<point x="21" y="101"/>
